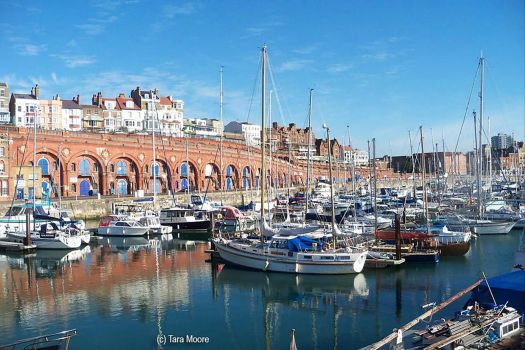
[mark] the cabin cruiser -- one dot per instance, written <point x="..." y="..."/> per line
<point x="120" y="225"/>
<point x="185" y="219"/>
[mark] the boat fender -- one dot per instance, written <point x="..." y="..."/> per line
<point x="266" y="265"/>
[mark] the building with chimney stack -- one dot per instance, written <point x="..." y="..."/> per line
<point x="51" y="113"/>
<point x="25" y="107"/>
<point x="72" y="114"/>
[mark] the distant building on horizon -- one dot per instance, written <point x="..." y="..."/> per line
<point x="502" y="142"/>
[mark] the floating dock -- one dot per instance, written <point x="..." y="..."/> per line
<point x="16" y="247"/>
<point x="371" y="263"/>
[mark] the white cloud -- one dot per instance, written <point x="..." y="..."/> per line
<point x="97" y="25"/>
<point x="294" y="65"/>
<point x="188" y="8"/>
<point x="75" y="61"/>
<point x="339" y="67"/>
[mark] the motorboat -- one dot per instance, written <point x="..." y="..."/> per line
<point x="120" y="225"/>
<point x="185" y="219"/>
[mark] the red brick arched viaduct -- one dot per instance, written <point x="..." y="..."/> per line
<point x="111" y="162"/>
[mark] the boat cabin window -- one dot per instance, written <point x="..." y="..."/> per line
<point x="327" y="257"/>
<point x="344" y="257"/>
<point x="14" y="211"/>
<point x="40" y="210"/>
<point x="278" y="243"/>
<point x="120" y="223"/>
<point x="307" y="257"/>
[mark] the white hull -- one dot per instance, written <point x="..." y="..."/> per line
<point x="494" y="228"/>
<point x="291" y="265"/>
<point x="58" y="242"/>
<point x="122" y="231"/>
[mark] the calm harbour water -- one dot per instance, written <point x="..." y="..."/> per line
<point x="123" y="293"/>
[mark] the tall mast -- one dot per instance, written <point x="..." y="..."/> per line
<point x="478" y="160"/>
<point x="271" y="184"/>
<point x="490" y="159"/>
<point x="188" y="183"/>
<point x="308" y="154"/>
<point x="35" y="117"/>
<point x="263" y="138"/>
<point x="331" y="182"/>
<point x="222" y="132"/>
<point x="413" y="165"/>
<point x="425" y="203"/>
<point x="375" y="180"/>
<point x="153" y="96"/>
<point x="481" y="62"/>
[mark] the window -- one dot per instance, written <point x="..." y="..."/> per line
<point x="2" y="166"/>
<point x="73" y="167"/>
<point x="112" y="168"/>
<point x="50" y="109"/>
<point x="20" y="108"/>
<point x="2" y="151"/>
<point x="84" y="167"/>
<point x="4" y="188"/>
<point x="44" y="166"/>
<point x="95" y="167"/>
<point x="2" y="92"/>
<point x="121" y="168"/>
<point x="74" y="188"/>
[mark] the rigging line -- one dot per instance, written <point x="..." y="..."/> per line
<point x="466" y="109"/>
<point x="276" y="89"/>
<point x="254" y="88"/>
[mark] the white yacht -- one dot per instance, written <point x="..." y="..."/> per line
<point x="120" y="225"/>
<point x="292" y="254"/>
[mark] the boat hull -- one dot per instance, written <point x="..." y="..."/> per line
<point x="272" y="264"/>
<point x="494" y="228"/>
<point x="194" y="226"/>
<point x="58" y="242"/>
<point x="122" y="231"/>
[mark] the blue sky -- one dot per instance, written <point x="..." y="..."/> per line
<point x="381" y="67"/>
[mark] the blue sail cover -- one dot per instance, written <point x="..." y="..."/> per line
<point x="301" y="243"/>
<point x="509" y="287"/>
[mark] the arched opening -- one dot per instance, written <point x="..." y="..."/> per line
<point x="231" y="177"/>
<point x="188" y="177"/>
<point x="84" y="168"/>
<point x="246" y="178"/>
<point x="213" y="177"/>
<point x="44" y="166"/>
<point x="84" y="188"/>
<point x="122" y="187"/>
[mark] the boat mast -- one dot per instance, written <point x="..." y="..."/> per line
<point x="154" y="169"/>
<point x="413" y="165"/>
<point x="222" y="132"/>
<point x="331" y="182"/>
<point x="490" y="159"/>
<point x="375" y="180"/>
<point x="187" y="171"/>
<point x="308" y="154"/>
<point x="480" y="170"/>
<point x="263" y="138"/>
<point x="271" y="188"/>
<point x="478" y="177"/>
<point x="35" y="117"/>
<point x="425" y="203"/>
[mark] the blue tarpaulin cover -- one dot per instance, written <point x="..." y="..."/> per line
<point x="302" y="243"/>
<point x="509" y="287"/>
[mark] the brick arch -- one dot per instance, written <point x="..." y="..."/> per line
<point x="162" y="175"/>
<point x="234" y="176"/>
<point x="194" y="176"/>
<point x="247" y="177"/>
<point x="53" y="176"/>
<point x="133" y="175"/>
<point x="212" y="180"/>
<point x="95" y="176"/>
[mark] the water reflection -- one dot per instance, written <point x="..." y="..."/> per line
<point x="128" y="291"/>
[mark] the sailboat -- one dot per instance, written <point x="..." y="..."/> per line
<point x="292" y="254"/>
